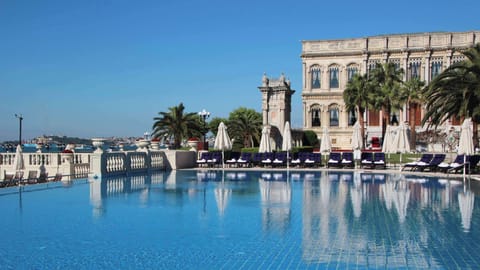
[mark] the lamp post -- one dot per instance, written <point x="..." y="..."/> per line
<point x="20" y="118"/>
<point x="204" y="115"/>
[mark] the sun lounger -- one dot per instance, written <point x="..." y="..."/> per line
<point x="32" y="178"/>
<point x="257" y="158"/>
<point x="379" y="161"/>
<point x="215" y="160"/>
<point x="433" y="164"/>
<point x="268" y="158"/>
<point x="280" y="159"/>
<point x="299" y="160"/>
<point x="424" y="160"/>
<point x="470" y="162"/>
<point x="366" y="160"/>
<point x="43" y="177"/>
<point x="244" y="160"/>
<point x="202" y="161"/>
<point x="335" y="159"/>
<point x="232" y="161"/>
<point x="347" y="160"/>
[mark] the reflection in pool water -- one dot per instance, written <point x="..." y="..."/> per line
<point x="242" y="219"/>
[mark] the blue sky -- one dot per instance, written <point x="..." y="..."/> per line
<point x="107" y="67"/>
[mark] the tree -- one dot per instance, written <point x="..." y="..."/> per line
<point x="387" y="81"/>
<point x="455" y="92"/>
<point x="356" y="97"/>
<point x="245" y="126"/>
<point x="177" y="124"/>
<point x="412" y="95"/>
<point x="215" y="122"/>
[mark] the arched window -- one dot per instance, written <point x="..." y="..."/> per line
<point x="316" y="77"/>
<point x="414" y="69"/>
<point x="333" y="112"/>
<point x="333" y="77"/>
<point x="436" y="68"/>
<point x="316" y="116"/>
<point x="351" y="71"/>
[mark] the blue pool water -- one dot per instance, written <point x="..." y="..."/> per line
<point x="242" y="220"/>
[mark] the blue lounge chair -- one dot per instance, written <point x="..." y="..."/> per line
<point x="317" y="158"/>
<point x="244" y="160"/>
<point x="215" y="160"/>
<point x="433" y="164"/>
<point x="366" y="160"/>
<point x="268" y="158"/>
<point x="299" y="160"/>
<point x="470" y="162"/>
<point x="335" y="159"/>
<point x="424" y="160"/>
<point x="232" y="161"/>
<point x="204" y="157"/>
<point x="379" y="160"/>
<point x="280" y="159"/>
<point x="347" y="160"/>
<point x="257" y="158"/>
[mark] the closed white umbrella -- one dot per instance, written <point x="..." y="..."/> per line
<point x="18" y="163"/>
<point x="325" y="145"/>
<point x="357" y="141"/>
<point x="388" y="140"/>
<point x="222" y="140"/>
<point x="465" y="144"/>
<point x="287" y="140"/>
<point x="265" y="145"/>
<point x="401" y="143"/>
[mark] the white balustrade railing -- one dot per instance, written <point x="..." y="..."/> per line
<point x="81" y="165"/>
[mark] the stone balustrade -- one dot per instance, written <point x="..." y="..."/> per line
<point x="99" y="163"/>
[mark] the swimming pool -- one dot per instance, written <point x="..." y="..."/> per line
<point x="242" y="220"/>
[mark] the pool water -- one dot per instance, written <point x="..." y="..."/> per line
<point x="242" y="220"/>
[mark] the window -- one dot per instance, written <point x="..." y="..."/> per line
<point x="333" y="117"/>
<point x="372" y="64"/>
<point x="333" y="77"/>
<point x="316" y="77"/>
<point x="414" y="68"/>
<point x="351" y="71"/>
<point x="436" y="68"/>
<point x="316" y="117"/>
<point x="396" y="62"/>
<point x="352" y="118"/>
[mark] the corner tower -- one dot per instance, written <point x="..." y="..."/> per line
<point x="276" y="101"/>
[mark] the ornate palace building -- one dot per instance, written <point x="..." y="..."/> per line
<point x="328" y="65"/>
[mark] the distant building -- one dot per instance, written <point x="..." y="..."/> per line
<point x="328" y="65"/>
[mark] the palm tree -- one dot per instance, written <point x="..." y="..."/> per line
<point x="387" y="81"/>
<point x="356" y="97"/>
<point x="177" y="124"/>
<point x="455" y="92"/>
<point x="246" y="125"/>
<point x="412" y="95"/>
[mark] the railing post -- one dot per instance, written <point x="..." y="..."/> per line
<point x="98" y="165"/>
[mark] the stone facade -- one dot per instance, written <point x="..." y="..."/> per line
<point x="276" y="105"/>
<point x="327" y="66"/>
